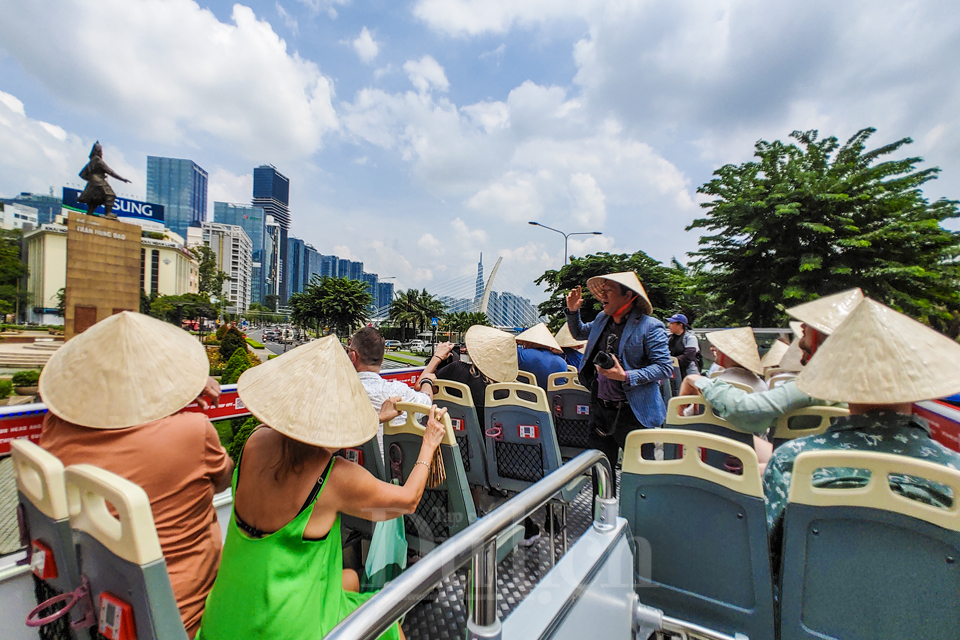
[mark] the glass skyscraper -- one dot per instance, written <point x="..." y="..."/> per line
<point x="253" y="221"/>
<point x="271" y="191"/>
<point x="181" y="187"/>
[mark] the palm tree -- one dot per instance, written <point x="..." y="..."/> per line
<point x="414" y="309"/>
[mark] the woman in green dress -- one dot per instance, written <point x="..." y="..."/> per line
<point x="282" y="571"/>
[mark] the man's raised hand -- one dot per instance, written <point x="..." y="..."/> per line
<point x="575" y="299"/>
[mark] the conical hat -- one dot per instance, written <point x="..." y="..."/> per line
<point x="566" y="340"/>
<point x="311" y="394"/>
<point x="825" y="314"/>
<point x="540" y="336"/>
<point x="880" y="356"/>
<point x="494" y="352"/>
<point x="124" y="371"/>
<point x="628" y="279"/>
<point x="792" y="360"/>
<point x="740" y="345"/>
<point x="797" y="328"/>
<point x="775" y="354"/>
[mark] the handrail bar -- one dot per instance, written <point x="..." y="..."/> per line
<point x="402" y="594"/>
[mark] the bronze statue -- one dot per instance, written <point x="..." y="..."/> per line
<point x="98" y="191"/>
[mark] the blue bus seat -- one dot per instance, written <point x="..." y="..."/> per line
<point x="120" y="555"/>
<point x="808" y="421"/>
<point x="706" y="422"/>
<point x="704" y="555"/>
<point x="444" y="510"/>
<point x="45" y="526"/>
<point x="456" y="398"/>
<point x="868" y="562"/>
<point x="570" y="403"/>
<point x="521" y="441"/>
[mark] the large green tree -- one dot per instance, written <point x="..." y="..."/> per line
<point x="189" y="306"/>
<point x="414" y="309"/>
<point x="814" y="217"/>
<point x="665" y="285"/>
<point x="339" y="303"/>
<point x="12" y="270"/>
<point x="460" y="321"/>
<point x="210" y="277"/>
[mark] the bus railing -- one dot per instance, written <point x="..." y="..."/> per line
<point x="478" y="544"/>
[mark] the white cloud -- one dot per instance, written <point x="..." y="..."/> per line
<point x="495" y="54"/>
<point x="514" y="197"/>
<point x="183" y="77"/>
<point x="288" y="20"/>
<point x="365" y="46"/>
<point x="426" y="72"/>
<point x="589" y="202"/>
<point x="428" y="243"/>
<point x="224" y="186"/>
<point x="327" y="6"/>
<point x="464" y="234"/>
<point x="343" y="251"/>
<point x="473" y="17"/>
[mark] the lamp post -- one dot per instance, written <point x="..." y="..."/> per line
<point x="566" y="236"/>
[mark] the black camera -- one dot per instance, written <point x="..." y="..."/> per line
<point x="603" y="360"/>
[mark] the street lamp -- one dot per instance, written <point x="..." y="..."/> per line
<point x="566" y="236"/>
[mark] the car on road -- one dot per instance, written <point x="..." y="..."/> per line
<point x="414" y="345"/>
<point x="392" y="345"/>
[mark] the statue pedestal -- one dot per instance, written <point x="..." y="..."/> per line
<point x="103" y="270"/>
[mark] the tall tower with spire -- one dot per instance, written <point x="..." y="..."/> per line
<point x="480" y="278"/>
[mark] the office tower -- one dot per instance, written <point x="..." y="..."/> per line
<point x="271" y="191"/>
<point x="233" y="249"/>
<point x="293" y="265"/>
<point x="271" y="265"/>
<point x="181" y="187"/>
<point x="372" y="281"/>
<point x="385" y="294"/>
<point x="356" y="270"/>
<point x="480" y="278"/>
<point x="252" y="220"/>
<point x="311" y="263"/>
<point x="328" y="266"/>
<point x="48" y="207"/>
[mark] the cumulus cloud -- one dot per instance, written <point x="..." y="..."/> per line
<point x="473" y="17"/>
<point x="225" y="186"/>
<point x="365" y="46"/>
<point x="327" y="6"/>
<point x="288" y="20"/>
<point x="426" y="73"/>
<point x="184" y="77"/>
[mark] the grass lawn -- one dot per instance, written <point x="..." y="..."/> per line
<point x="404" y="357"/>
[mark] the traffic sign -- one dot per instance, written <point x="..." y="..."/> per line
<point x="434" y="322"/>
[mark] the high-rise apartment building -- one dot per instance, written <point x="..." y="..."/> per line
<point x="271" y="265"/>
<point x="294" y="266"/>
<point x="48" y="207"/>
<point x="311" y="263"/>
<point x="233" y="249"/>
<point x="372" y="280"/>
<point x="271" y="191"/>
<point x="181" y="187"/>
<point x="328" y="266"/>
<point x="253" y="221"/>
<point x="384" y="294"/>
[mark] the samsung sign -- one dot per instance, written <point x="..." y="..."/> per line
<point x="123" y="207"/>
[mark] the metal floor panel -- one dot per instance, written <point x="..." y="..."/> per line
<point x="445" y="615"/>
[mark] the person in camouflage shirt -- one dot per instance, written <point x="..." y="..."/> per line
<point x="878" y="362"/>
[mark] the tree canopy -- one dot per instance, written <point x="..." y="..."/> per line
<point x="210" y="277"/>
<point x="189" y="306"/>
<point x="12" y="269"/>
<point x="812" y="218"/>
<point x="460" y="321"/>
<point x="666" y="286"/>
<point x="339" y="303"/>
<point x="412" y="308"/>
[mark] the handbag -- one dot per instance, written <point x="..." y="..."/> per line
<point x="387" y="557"/>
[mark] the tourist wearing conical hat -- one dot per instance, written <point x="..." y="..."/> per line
<point x="572" y="348"/>
<point x="539" y="353"/>
<point x="627" y="395"/>
<point x="879" y="362"/>
<point x="113" y="395"/>
<point x="758" y="412"/>
<point x="738" y="354"/>
<point x="282" y="572"/>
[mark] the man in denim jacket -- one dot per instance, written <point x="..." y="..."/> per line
<point x="626" y="396"/>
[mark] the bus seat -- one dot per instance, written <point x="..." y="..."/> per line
<point x="45" y="526"/>
<point x="740" y="385"/>
<point x="706" y="422"/>
<point x="456" y="398"/>
<point x="808" y="421"/>
<point x="369" y="456"/>
<point x="868" y="562"/>
<point x="705" y="556"/>
<point x="570" y="402"/>
<point x="780" y="378"/>
<point x="526" y="377"/>
<point x="769" y="372"/>
<point x="444" y="510"/>
<point x="572" y="369"/>
<point x="677" y="377"/>
<point x="120" y="555"/>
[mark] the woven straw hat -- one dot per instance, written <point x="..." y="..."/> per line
<point x="311" y="394"/>
<point x="494" y="352"/>
<point x="792" y="360"/>
<point x="566" y="340"/>
<point x="825" y="314"/>
<point x="539" y="336"/>
<point x="740" y="345"/>
<point x="880" y="356"/>
<point x="628" y="279"/>
<point x="775" y="354"/>
<point x="797" y="328"/>
<point x="126" y="370"/>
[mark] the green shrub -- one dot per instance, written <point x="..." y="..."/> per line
<point x="6" y="389"/>
<point x="238" y="363"/>
<point x="240" y="437"/>
<point x="272" y="356"/>
<point x="26" y="378"/>
<point x="231" y="341"/>
<point x="225" y="431"/>
<point x="253" y="343"/>
<point x="222" y="330"/>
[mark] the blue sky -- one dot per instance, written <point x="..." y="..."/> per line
<point x="417" y="134"/>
